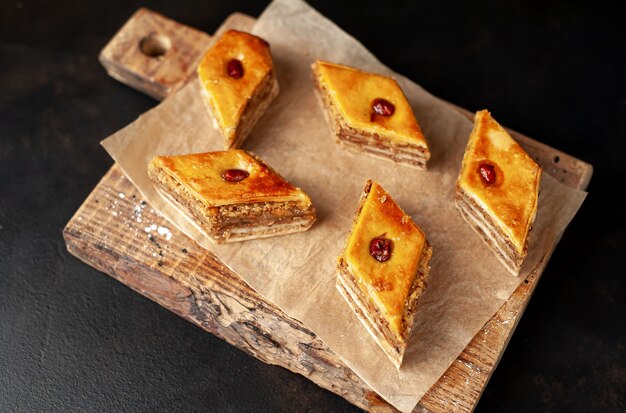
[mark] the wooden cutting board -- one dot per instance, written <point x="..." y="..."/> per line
<point x="118" y="233"/>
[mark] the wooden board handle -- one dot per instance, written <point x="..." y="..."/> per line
<point x="156" y="55"/>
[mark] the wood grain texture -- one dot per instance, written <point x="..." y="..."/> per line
<point x="117" y="233"/>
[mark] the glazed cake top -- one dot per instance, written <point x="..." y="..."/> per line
<point x="231" y="72"/>
<point x="354" y="92"/>
<point x="229" y="177"/>
<point x="501" y="178"/>
<point x="386" y="283"/>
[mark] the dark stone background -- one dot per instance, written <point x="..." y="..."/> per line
<point x="73" y="339"/>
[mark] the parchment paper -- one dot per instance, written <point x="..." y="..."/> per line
<point x="297" y="272"/>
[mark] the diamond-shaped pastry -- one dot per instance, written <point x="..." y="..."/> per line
<point x="369" y="113"/>
<point x="232" y="195"/>
<point x="498" y="189"/>
<point x="384" y="269"/>
<point x="238" y="81"/>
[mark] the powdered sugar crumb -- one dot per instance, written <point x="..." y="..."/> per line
<point x="165" y="232"/>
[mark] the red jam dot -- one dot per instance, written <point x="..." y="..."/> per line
<point x="235" y="175"/>
<point x="383" y="107"/>
<point x="380" y="248"/>
<point x="234" y="68"/>
<point x="487" y="173"/>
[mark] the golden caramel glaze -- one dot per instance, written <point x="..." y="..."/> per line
<point x="353" y="91"/>
<point x="227" y="95"/>
<point x="201" y="174"/>
<point x="512" y="199"/>
<point x="387" y="284"/>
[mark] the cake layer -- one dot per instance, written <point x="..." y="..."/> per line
<point x="382" y="227"/>
<point x="236" y="222"/>
<point x="370" y="102"/>
<point x="279" y="227"/>
<point x="482" y="223"/>
<point x="255" y="108"/>
<point x="369" y="315"/>
<point x="370" y="318"/>
<point x="374" y="144"/>
<point x="472" y="208"/>
<point x="237" y="76"/>
<point x="252" y="112"/>
<point x="202" y="174"/>
<point x="383" y="290"/>
<point x="502" y="178"/>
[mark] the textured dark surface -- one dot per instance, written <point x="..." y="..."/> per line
<point x="72" y="339"/>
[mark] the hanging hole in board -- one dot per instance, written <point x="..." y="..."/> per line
<point x="155" y="45"/>
<point x="556" y="159"/>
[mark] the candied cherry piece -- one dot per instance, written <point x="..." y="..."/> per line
<point x="380" y="248"/>
<point x="383" y="107"/>
<point x="487" y="173"/>
<point x="235" y="175"/>
<point x="234" y="68"/>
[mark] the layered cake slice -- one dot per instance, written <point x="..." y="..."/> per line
<point x="497" y="190"/>
<point x="369" y="113"/>
<point x="383" y="270"/>
<point x="238" y="81"/>
<point x="232" y="195"/>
